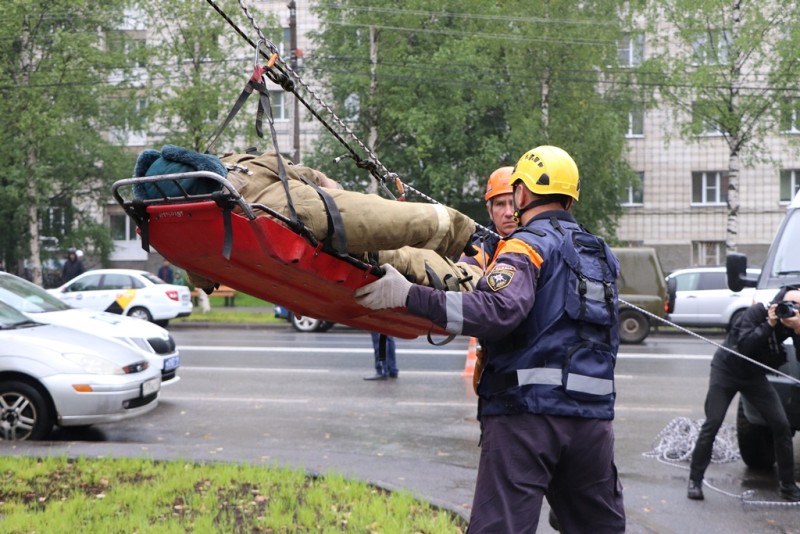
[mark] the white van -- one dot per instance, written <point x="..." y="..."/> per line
<point x="782" y="267"/>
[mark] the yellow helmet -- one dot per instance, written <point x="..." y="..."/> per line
<point x="498" y="183"/>
<point x="548" y="170"/>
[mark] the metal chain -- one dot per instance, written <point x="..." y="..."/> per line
<point x="339" y="122"/>
<point x="430" y="199"/>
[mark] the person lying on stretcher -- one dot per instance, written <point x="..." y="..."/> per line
<point x="408" y="235"/>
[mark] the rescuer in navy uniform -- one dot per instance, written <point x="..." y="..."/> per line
<point x="546" y="314"/>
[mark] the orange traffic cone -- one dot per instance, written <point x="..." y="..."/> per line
<point x="472" y="357"/>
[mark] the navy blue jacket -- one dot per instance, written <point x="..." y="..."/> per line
<point x="521" y="312"/>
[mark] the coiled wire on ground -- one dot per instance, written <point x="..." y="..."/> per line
<point x="675" y="443"/>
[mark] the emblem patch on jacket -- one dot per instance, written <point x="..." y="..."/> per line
<point x="500" y="276"/>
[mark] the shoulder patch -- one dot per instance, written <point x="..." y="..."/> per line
<point x="500" y="276"/>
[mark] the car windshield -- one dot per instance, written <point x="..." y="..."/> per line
<point x="153" y="278"/>
<point x="787" y="255"/>
<point x="11" y="318"/>
<point x="28" y="297"/>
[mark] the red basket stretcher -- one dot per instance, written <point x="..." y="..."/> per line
<point x="258" y="251"/>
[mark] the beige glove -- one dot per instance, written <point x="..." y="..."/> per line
<point x="389" y="291"/>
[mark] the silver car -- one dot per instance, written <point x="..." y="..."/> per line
<point x="53" y="375"/>
<point x="43" y="307"/>
<point x="700" y="297"/>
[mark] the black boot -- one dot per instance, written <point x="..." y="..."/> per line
<point x="695" y="491"/>
<point x="790" y="491"/>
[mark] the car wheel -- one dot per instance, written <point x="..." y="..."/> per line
<point x="324" y="326"/>
<point x="140" y="313"/>
<point x="24" y="412"/>
<point x="755" y="442"/>
<point x="633" y="326"/>
<point x="303" y="323"/>
<point x="735" y="319"/>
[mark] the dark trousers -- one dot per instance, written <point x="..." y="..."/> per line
<point x="760" y="393"/>
<point x="526" y="457"/>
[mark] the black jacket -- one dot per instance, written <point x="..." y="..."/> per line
<point x="755" y="338"/>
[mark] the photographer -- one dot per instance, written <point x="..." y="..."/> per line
<point x="759" y="335"/>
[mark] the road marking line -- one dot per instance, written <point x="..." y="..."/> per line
<point x="206" y="398"/>
<point x="331" y="350"/>
<point x="669" y="409"/>
<point x="447" y="404"/>
<point x="344" y="350"/>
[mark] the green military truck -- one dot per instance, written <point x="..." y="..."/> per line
<point x="642" y="284"/>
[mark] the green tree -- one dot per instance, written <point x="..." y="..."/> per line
<point x="63" y="95"/>
<point x="729" y="69"/>
<point x="445" y="95"/>
<point x="198" y="66"/>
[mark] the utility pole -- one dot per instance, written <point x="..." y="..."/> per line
<point x="293" y="45"/>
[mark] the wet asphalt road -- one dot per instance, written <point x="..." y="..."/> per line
<point x="272" y="396"/>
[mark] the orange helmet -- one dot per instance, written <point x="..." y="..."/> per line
<point x="498" y="183"/>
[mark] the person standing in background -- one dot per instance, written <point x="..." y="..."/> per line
<point x="72" y="267"/>
<point x="166" y="273"/>
<point x="384" y="368"/>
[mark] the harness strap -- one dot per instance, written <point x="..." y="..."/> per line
<point x="258" y="72"/>
<point x="335" y="223"/>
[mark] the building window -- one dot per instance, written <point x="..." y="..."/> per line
<point x="790" y="116"/>
<point x="702" y="124"/>
<point x="790" y="184"/>
<point x="711" y="48"/>
<point x="277" y="100"/>
<point x="634" y="193"/>
<point x="635" y="123"/>
<point x="709" y="187"/>
<point x="708" y="252"/>
<point x="122" y="227"/>
<point x="630" y="50"/>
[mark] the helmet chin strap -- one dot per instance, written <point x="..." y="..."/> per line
<point x="532" y="204"/>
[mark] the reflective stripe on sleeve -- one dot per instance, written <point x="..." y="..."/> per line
<point x="443" y="223"/>
<point x="454" y="309"/>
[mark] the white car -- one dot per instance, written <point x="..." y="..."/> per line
<point x="129" y="292"/>
<point x="42" y="307"/>
<point x="51" y="374"/>
<point x="700" y="297"/>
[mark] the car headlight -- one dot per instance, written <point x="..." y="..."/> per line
<point x="94" y="364"/>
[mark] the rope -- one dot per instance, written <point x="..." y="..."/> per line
<point x="372" y="164"/>
<point x="711" y="342"/>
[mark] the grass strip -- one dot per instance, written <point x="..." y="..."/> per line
<point x="130" y="495"/>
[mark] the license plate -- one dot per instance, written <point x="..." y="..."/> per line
<point x="172" y="362"/>
<point x="185" y="297"/>
<point x="151" y="386"/>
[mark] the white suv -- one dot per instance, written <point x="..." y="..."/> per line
<point x="700" y="297"/>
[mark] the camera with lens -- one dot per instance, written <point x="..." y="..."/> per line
<point x="785" y="309"/>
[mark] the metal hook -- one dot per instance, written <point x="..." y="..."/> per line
<point x="258" y="46"/>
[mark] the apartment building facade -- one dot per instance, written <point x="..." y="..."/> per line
<point x="679" y="207"/>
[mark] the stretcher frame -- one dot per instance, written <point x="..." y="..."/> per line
<point x="258" y="251"/>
